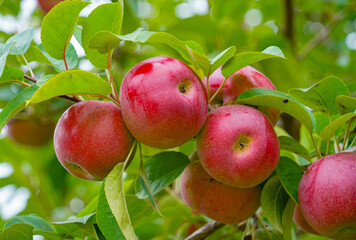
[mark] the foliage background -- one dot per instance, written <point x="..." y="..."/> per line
<point x="317" y="36"/>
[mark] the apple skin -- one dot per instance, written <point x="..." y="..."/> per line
<point x="327" y="196"/>
<point x="238" y="146"/>
<point x="91" y="138"/>
<point x="164" y="103"/>
<point x="240" y="81"/>
<point x="47" y="5"/>
<point x="30" y="131"/>
<point x="299" y="219"/>
<point x="216" y="200"/>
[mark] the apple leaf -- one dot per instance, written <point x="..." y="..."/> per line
<point x="273" y="201"/>
<point x="291" y="145"/>
<point x="21" y="41"/>
<point x="287" y="219"/>
<point x="72" y="82"/>
<point x="222" y="58"/>
<point x="37" y="222"/>
<point x="345" y="104"/>
<point x="16" y="104"/>
<point x="329" y="130"/>
<point x="58" y="65"/>
<point x="44" y="79"/>
<point x="4" y="51"/>
<point x="105" y="40"/>
<point x="162" y="169"/>
<point x="11" y="73"/>
<point x="243" y="59"/>
<point x="268" y="234"/>
<point x="58" y="26"/>
<point x="199" y="60"/>
<point x="280" y="101"/>
<point x="34" y="54"/>
<point x="89" y="208"/>
<point x="18" y="231"/>
<point x="115" y="196"/>
<point x="289" y="173"/>
<point x="110" y="15"/>
<point x="322" y="95"/>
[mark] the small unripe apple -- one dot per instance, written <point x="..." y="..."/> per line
<point x="327" y="196"/>
<point x="164" y="103"/>
<point x="299" y="219"/>
<point x="238" y="146"/>
<point x="30" y="131"/>
<point x="47" y="5"/>
<point x="91" y="138"/>
<point x="240" y="81"/>
<point x="216" y="200"/>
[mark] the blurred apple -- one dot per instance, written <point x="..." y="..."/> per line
<point x="47" y="5"/>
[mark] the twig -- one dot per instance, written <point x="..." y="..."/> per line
<point x="289" y="23"/>
<point x="322" y="35"/>
<point x="205" y="231"/>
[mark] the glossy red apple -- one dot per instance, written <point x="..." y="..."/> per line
<point x="327" y="196"/>
<point x="47" y="5"/>
<point x="238" y="146"/>
<point x="299" y="219"/>
<point x="240" y="81"/>
<point x="91" y="138"/>
<point x="215" y="200"/>
<point x="164" y="104"/>
<point x="30" y="131"/>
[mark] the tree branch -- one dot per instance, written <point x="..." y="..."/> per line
<point x="289" y="23"/>
<point x="34" y="80"/>
<point x="205" y="231"/>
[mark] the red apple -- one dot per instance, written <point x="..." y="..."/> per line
<point x="91" y="138"/>
<point x="30" y="131"/>
<point x="47" y="5"/>
<point x="238" y="146"/>
<point x="216" y="200"/>
<point x="237" y="83"/>
<point x="164" y="103"/>
<point x="327" y="196"/>
<point x="299" y="219"/>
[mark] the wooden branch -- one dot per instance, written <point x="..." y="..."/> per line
<point x="205" y="231"/>
<point x="289" y="23"/>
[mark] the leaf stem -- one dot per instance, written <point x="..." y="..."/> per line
<point x="346" y="139"/>
<point x="207" y="83"/>
<point x="16" y="81"/>
<point x="217" y="92"/>
<point x="246" y="229"/>
<point x="111" y="79"/>
<point x="316" y="147"/>
<point x="28" y="66"/>
<point x="260" y="220"/>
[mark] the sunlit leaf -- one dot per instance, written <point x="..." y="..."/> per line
<point x="345" y="104"/>
<point x="292" y="145"/>
<point x="18" y="231"/>
<point x="329" y="130"/>
<point x="11" y="73"/>
<point x="21" y="41"/>
<point x="222" y="58"/>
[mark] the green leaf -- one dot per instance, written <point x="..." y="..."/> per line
<point x="291" y="145"/>
<point x="105" y="40"/>
<point x="58" y="65"/>
<point x="199" y="60"/>
<point x="44" y="79"/>
<point x="222" y="58"/>
<point x="11" y="73"/>
<point x="75" y="227"/>
<point x="4" y="51"/>
<point x="21" y="41"/>
<point x="268" y="234"/>
<point x="289" y="173"/>
<point x="287" y="219"/>
<point x="345" y="104"/>
<point x="37" y="222"/>
<point x="83" y="220"/>
<point x="273" y="201"/>
<point x="110" y="16"/>
<point x="18" y="231"/>
<point x="58" y="26"/>
<point x="243" y="59"/>
<point x="16" y="104"/>
<point x="115" y="195"/>
<point x="280" y="101"/>
<point x="162" y="169"/>
<point x="322" y="95"/>
<point x="89" y="208"/>
<point x="329" y="130"/>
<point x="72" y="82"/>
<point x="34" y="54"/>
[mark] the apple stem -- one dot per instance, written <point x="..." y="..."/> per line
<point x="216" y="93"/>
<point x="346" y="138"/>
<point x="316" y="148"/>
<point x="111" y="78"/>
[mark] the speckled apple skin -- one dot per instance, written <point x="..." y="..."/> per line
<point x="216" y="146"/>
<point x="215" y="200"/>
<point x="240" y="81"/>
<point x="302" y="223"/>
<point x="327" y="196"/>
<point x="91" y="138"/>
<point x="154" y="110"/>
